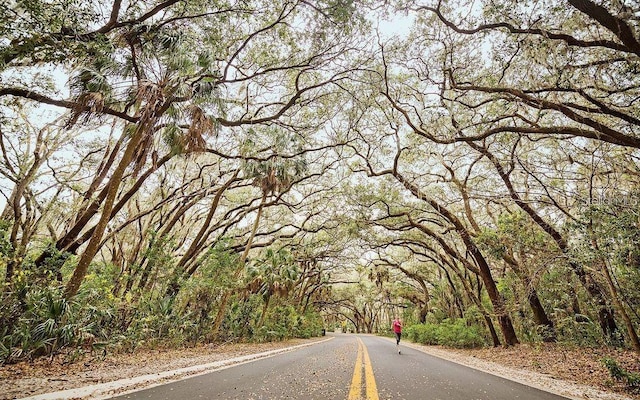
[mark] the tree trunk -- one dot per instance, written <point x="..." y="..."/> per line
<point x="200" y="236"/>
<point x="541" y="317"/>
<point x="265" y="307"/>
<point x="605" y="315"/>
<point x="196" y="245"/>
<point x="13" y="211"/>
<point x="633" y="335"/>
<point x="476" y="300"/>
<point x="539" y="314"/>
<point x="422" y="317"/>
<point x="92" y="247"/>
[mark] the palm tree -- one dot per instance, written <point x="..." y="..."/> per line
<point x="153" y="100"/>
<point x="162" y="98"/>
<point x="272" y="176"/>
<point x="273" y="275"/>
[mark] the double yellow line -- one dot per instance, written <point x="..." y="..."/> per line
<point x="363" y="363"/>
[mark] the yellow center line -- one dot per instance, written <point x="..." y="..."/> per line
<point x="370" y="381"/>
<point x="356" y="380"/>
<point x="363" y="362"/>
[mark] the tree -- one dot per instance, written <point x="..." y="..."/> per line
<point x="272" y="176"/>
<point x="272" y="275"/>
<point x="146" y="73"/>
<point x="533" y="83"/>
<point x="26" y="149"/>
<point x="464" y="235"/>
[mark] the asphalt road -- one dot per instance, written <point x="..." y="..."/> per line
<point x="348" y="367"/>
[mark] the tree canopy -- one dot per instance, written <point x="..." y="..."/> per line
<point x="206" y="170"/>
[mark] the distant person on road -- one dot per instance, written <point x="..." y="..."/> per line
<point x="397" y="329"/>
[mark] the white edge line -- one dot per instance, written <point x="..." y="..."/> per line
<point x="108" y="389"/>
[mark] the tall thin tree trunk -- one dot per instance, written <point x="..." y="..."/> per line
<point x="605" y="314"/>
<point x="265" y="307"/>
<point x="633" y="335"/>
<point x="92" y="247"/>
<point x="196" y="245"/>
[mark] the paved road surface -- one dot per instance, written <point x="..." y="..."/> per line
<point x="348" y="367"/>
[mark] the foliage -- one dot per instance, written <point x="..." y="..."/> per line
<point x="613" y="224"/>
<point x="281" y="322"/>
<point x="514" y="233"/>
<point x="578" y="330"/>
<point x="5" y="245"/>
<point x="453" y="333"/>
<point x="49" y="324"/>
<point x="44" y="31"/>
<point x="45" y="323"/>
<point x="284" y="322"/>
<point x="632" y="380"/>
<point x="273" y="274"/>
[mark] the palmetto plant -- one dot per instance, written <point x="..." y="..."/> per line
<point x="274" y="175"/>
<point x="274" y="274"/>
<point x="48" y="324"/>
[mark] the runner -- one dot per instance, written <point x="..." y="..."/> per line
<point x="397" y="329"/>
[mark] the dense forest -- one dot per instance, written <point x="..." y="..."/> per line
<point x="181" y="172"/>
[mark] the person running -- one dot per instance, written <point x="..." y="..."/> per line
<point x="397" y="329"/>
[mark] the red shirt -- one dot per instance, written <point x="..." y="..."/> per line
<point x="397" y="326"/>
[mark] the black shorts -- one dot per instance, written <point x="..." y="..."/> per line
<point x="398" y="336"/>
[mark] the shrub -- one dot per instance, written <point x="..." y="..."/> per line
<point x="284" y="322"/>
<point x="453" y="333"/>
<point x="578" y="330"/>
<point x="618" y="373"/>
<point x="48" y="324"/>
<point x="423" y="333"/>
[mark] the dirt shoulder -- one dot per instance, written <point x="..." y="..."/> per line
<point x="574" y="373"/>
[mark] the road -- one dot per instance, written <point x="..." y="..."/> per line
<point x="347" y="367"/>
